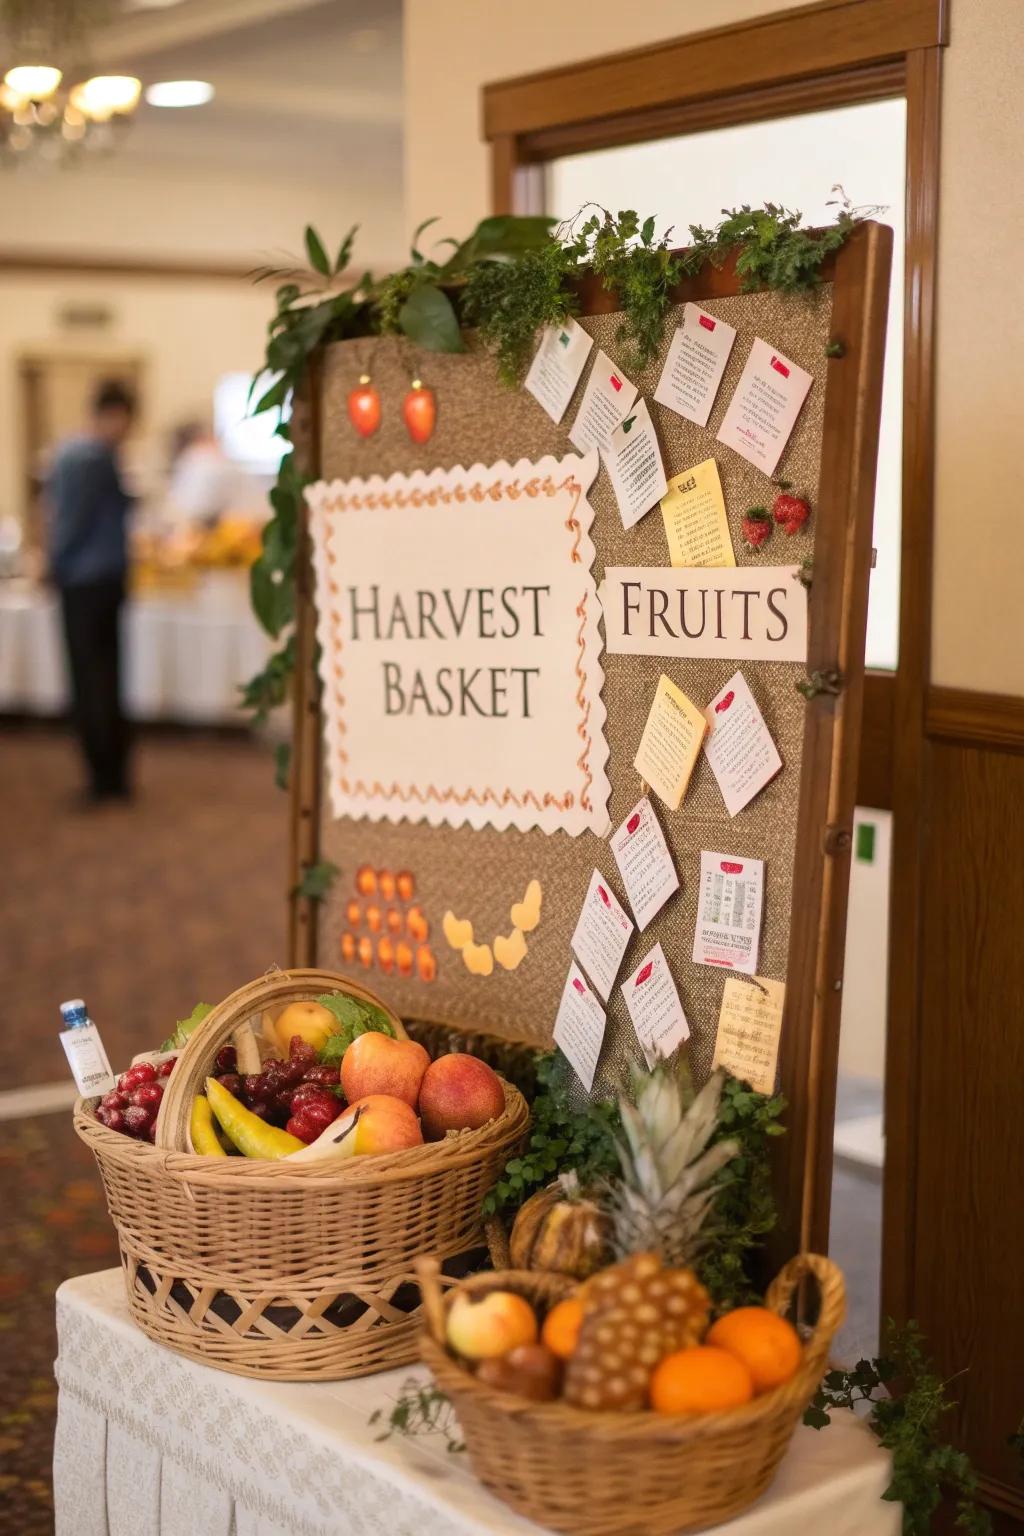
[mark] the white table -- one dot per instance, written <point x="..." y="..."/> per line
<point x="185" y="653"/>
<point x="150" y="1444"/>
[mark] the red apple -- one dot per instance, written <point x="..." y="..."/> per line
<point x="459" y="1093"/>
<point x="374" y="1063"/>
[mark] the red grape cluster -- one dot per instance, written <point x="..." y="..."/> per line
<point x="299" y="1094"/>
<point x="133" y="1105"/>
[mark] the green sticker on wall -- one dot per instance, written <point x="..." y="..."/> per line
<point x="865" y="845"/>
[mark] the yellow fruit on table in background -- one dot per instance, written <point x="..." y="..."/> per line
<point x="561" y="1330"/>
<point x="482" y="1327"/>
<point x="201" y="1129"/>
<point x="311" y="1021"/>
<point x="700" y="1380"/>
<point x="247" y="1131"/>
<point x="767" y="1344"/>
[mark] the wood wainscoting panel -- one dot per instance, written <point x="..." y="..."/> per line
<point x="968" y="1225"/>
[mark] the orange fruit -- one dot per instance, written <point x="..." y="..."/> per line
<point x="374" y="918"/>
<point x="354" y="913"/>
<point x="700" y="1380"/>
<point x="348" y="946"/>
<point x="426" y="964"/>
<point x="385" y="954"/>
<point x="386" y="884"/>
<point x="403" y="958"/>
<point x="366" y="880"/>
<point x="406" y="885"/>
<point x="766" y="1343"/>
<point x="365" y="951"/>
<point x="562" y="1326"/>
<point x="419" y="928"/>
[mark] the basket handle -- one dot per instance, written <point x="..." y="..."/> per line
<point x="832" y="1308"/>
<point x="428" y="1273"/>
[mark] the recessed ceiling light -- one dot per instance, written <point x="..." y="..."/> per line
<point x="33" y="81"/>
<point x="179" y="93"/>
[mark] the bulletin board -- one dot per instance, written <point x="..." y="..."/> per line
<point x="398" y="877"/>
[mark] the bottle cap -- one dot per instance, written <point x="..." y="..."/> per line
<point x="74" y="1012"/>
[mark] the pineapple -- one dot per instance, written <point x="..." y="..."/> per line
<point x="650" y="1303"/>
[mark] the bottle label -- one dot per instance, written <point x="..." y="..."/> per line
<point x="87" y="1060"/>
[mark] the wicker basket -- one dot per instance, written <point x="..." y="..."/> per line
<point x="296" y="1273"/>
<point x="626" y="1474"/>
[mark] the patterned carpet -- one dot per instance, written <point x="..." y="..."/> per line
<point x="143" y="911"/>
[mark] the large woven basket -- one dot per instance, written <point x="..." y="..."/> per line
<point x="298" y="1272"/>
<point x="626" y="1474"/>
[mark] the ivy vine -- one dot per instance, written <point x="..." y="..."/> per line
<point x="510" y="278"/>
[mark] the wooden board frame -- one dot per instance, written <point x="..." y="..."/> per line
<point x="859" y="274"/>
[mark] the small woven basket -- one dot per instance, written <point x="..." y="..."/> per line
<point x="301" y="1272"/>
<point x="625" y="1474"/>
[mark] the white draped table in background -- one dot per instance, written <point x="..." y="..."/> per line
<point x="151" y="1444"/>
<point x="185" y="653"/>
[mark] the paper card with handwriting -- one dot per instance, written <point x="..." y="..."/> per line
<point x="696" y="360"/>
<point x="670" y="743"/>
<point x="739" y="745"/>
<point x="728" y="931"/>
<point x="696" y="525"/>
<point x="580" y="1025"/>
<point x="557" y="365"/>
<point x="749" y="1027"/>
<point x="607" y="399"/>
<point x="653" y="1003"/>
<point x="633" y="462"/>
<point x="763" y="411"/>
<point x="602" y="932"/>
<point x="645" y="863"/>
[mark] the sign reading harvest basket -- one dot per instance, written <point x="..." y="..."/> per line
<point x="460" y="649"/>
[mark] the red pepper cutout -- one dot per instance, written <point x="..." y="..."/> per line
<point x="364" y="407"/>
<point x="731" y="869"/>
<point x="633" y="823"/>
<point x="723" y="704"/>
<point x="580" y="988"/>
<point x="645" y="974"/>
<point x="604" y="895"/>
<point x="419" y="412"/>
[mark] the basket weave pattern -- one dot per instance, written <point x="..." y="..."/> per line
<point x="627" y="1474"/>
<point x="303" y="1272"/>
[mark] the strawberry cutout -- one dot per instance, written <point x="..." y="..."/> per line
<point x="364" y="407"/>
<point x="757" y="526"/>
<point x="791" y="512"/>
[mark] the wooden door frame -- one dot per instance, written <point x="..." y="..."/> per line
<point x="832" y="53"/>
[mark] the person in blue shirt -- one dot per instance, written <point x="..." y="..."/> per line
<point x="88" y="513"/>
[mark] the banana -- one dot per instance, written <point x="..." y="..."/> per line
<point x="201" y="1129"/>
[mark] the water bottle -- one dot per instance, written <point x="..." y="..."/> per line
<point x="84" y="1051"/>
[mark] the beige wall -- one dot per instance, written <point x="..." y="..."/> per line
<point x="453" y="47"/>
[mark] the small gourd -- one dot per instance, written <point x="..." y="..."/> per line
<point x="562" y="1230"/>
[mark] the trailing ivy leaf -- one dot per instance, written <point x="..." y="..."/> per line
<point x="317" y="880"/>
<point x="269" y="689"/>
<point x="428" y="319"/>
<point x="316" y="253"/>
<point x="273" y="598"/>
<point x="276" y="395"/>
<point x="282" y="763"/>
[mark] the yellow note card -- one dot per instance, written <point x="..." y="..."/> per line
<point x="670" y="743"/>
<point x="693" y="509"/>
<point x="749" y="1026"/>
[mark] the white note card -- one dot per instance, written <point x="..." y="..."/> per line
<point x="654" y="1006"/>
<point x="602" y="932"/>
<point x="739" y="746"/>
<point x="763" y="411"/>
<point x="579" y="1027"/>
<point x="608" y="398"/>
<point x="645" y="862"/>
<point x="634" y="464"/>
<point x="728" y="931"/>
<point x="557" y="365"/>
<point x="693" y="369"/>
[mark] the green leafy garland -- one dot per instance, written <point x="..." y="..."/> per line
<point x="509" y="279"/>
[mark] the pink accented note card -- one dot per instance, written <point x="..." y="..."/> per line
<point x="763" y="411"/>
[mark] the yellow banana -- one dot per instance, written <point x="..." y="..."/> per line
<point x="202" y="1131"/>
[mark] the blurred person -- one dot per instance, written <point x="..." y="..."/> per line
<point x="204" y="484"/>
<point x="88" y="511"/>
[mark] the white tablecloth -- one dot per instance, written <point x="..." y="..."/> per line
<point x="185" y="654"/>
<point x="150" y="1444"/>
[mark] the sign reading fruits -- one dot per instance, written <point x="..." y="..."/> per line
<point x="460" y="648"/>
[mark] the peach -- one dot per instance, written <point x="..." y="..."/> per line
<point x="312" y="1021"/>
<point x="386" y="1124"/>
<point x="458" y="1093"/>
<point x="375" y="1063"/>
<point x="485" y="1327"/>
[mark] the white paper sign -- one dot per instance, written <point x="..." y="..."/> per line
<point x="654" y="1006"/>
<point x="738" y="745"/>
<point x="633" y="462"/>
<point x="602" y="932"/>
<point x="693" y="369"/>
<point x="728" y="931"/>
<point x="763" y="411"/>
<point x="579" y="1027"/>
<point x="748" y="613"/>
<point x="608" y="397"/>
<point x="557" y="365"/>
<point x="462" y="689"/>
<point x="645" y="863"/>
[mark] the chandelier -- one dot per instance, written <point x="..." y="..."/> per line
<point x="52" y="108"/>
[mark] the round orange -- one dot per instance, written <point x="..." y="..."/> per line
<point x="766" y="1343"/>
<point x="561" y="1330"/>
<point x="700" y="1380"/>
